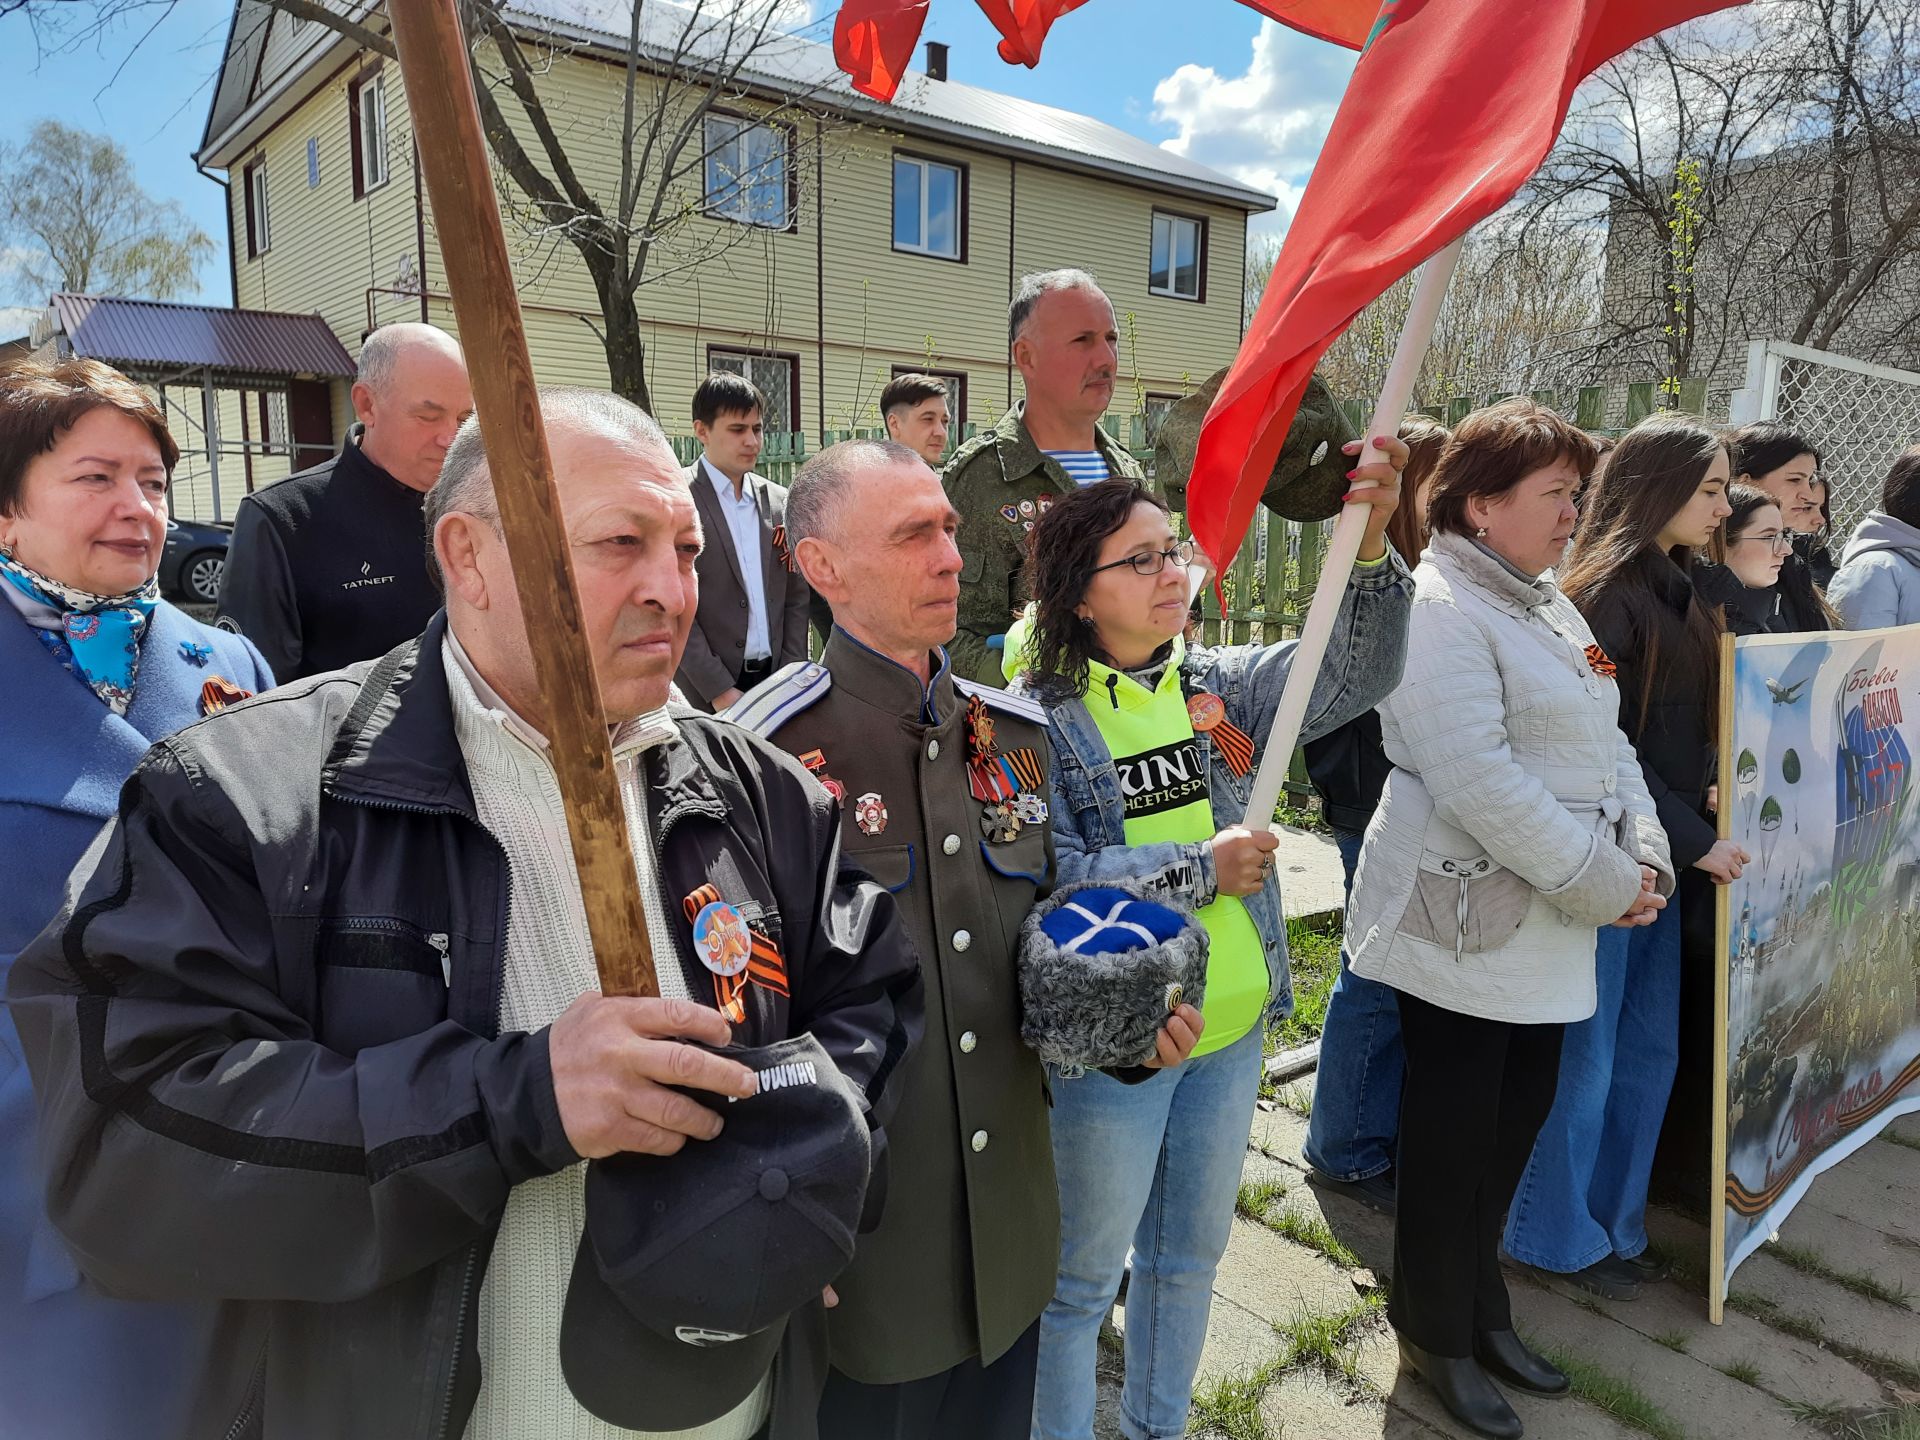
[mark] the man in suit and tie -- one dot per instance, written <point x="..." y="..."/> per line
<point x="752" y="617"/>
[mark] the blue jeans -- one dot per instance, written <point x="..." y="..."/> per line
<point x="1584" y="1194"/>
<point x="1355" y="1124"/>
<point x="1155" y="1166"/>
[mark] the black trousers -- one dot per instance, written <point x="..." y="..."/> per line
<point x="969" y="1402"/>
<point x="1475" y="1096"/>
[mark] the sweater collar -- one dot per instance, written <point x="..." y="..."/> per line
<point x="1124" y="690"/>
<point x="357" y="465"/>
<point x="1492" y="573"/>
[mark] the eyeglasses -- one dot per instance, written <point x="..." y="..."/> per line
<point x="1772" y="539"/>
<point x="1153" y="561"/>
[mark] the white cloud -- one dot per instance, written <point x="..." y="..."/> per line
<point x="17" y="320"/>
<point x="1264" y="127"/>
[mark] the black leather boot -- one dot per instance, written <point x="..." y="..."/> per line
<point x="1502" y="1355"/>
<point x="1463" y="1387"/>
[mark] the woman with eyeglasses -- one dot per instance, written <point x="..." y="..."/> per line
<point x="1743" y="577"/>
<point x="1785" y="464"/>
<point x="1154" y="747"/>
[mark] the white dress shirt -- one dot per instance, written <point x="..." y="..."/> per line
<point x="743" y="525"/>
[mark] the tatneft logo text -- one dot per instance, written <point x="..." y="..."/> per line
<point x="366" y="578"/>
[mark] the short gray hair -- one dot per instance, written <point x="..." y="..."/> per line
<point x="465" y="486"/>
<point x="818" y="490"/>
<point x="380" y="351"/>
<point x="1043" y="282"/>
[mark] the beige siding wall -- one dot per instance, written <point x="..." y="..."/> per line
<point x="717" y="284"/>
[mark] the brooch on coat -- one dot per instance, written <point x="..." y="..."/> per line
<point x="195" y="655"/>
<point x="733" y="951"/>
<point x="782" y="551"/>
<point x="1602" y="664"/>
<point x="1208" y="716"/>
<point x="220" y="692"/>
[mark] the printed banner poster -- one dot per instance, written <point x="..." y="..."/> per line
<point x="1822" y="961"/>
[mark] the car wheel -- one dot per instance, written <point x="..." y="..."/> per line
<point x="200" y="576"/>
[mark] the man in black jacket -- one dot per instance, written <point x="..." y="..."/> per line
<point x="317" y="1034"/>
<point x="330" y="566"/>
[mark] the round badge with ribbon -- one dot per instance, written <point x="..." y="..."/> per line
<point x="1206" y="712"/>
<point x="721" y="939"/>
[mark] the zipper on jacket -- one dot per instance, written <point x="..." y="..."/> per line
<point x="442" y="942"/>
<point x="249" y="1409"/>
<point x="443" y="1429"/>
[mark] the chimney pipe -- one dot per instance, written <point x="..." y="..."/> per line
<point x="936" y="60"/>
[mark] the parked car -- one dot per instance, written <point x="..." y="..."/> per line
<point x="195" y="557"/>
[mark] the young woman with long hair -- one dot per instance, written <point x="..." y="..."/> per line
<point x="1742" y="577"/>
<point x="1153" y="750"/>
<point x="1356" y="1093"/>
<point x="1785" y="464"/>
<point x="1580" y="1209"/>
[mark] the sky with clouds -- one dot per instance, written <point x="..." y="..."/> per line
<point x="1218" y="85"/>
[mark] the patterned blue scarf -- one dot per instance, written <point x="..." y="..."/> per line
<point x="99" y="635"/>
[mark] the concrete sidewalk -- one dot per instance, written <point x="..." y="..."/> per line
<point x="1822" y="1329"/>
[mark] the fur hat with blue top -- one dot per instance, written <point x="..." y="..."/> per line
<point x="1102" y="965"/>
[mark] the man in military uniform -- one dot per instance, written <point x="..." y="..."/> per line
<point x="1064" y="340"/>
<point x="942" y="787"/>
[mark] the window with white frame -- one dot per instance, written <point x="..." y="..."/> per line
<point x="259" y="233"/>
<point x="369" y="133"/>
<point x="929" y="207"/>
<point x="747" y="170"/>
<point x="1178" y="263"/>
<point x="776" y="376"/>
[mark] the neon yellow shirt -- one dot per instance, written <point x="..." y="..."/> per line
<point x="1163" y="782"/>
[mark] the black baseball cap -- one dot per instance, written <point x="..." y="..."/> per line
<point x="690" y="1264"/>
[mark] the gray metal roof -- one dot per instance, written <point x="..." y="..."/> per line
<point x="155" y="336"/>
<point x="788" y="64"/>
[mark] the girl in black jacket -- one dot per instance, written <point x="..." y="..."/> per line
<point x="1785" y="464"/>
<point x="1743" y="578"/>
<point x="1580" y="1210"/>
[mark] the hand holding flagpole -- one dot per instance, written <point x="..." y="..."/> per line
<point x="1344" y="548"/>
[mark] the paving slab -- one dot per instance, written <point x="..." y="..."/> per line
<point x="1878" y="1182"/>
<point x="1702" y="1402"/>
<point x="1848" y="1245"/>
<point x="1562" y="1419"/>
<point x="1839" y="1314"/>
<point x="1309" y="1406"/>
<point x="1312" y="880"/>
<point x="1907" y="1127"/>
<point x="1277" y="1279"/>
<point x="1790" y="1369"/>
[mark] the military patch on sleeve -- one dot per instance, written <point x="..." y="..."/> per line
<point x="781" y="696"/>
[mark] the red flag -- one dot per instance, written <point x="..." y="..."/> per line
<point x="1453" y="104"/>
<point x="874" y="40"/>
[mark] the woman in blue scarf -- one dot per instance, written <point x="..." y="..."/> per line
<point x="96" y="666"/>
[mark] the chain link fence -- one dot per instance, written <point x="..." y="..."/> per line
<point x="1859" y="416"/>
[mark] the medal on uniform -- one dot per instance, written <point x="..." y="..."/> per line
<point x="1044" y="503"/>
<point x="721" y="938"/>
<point x="1010" y="514"/>
<point x="220" y="692"/>
<point x="870" y="813"/>
<point x="1208" y="714"/>
<point x="1026" y="510"/>
<point x="999" y="823"/>
<point x="1029" y="809"/>
<point x="986" y="780"/>
<point x="816" y="764"/>
<point x="782" y="551"/>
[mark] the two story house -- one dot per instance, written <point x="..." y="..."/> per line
<point x="823" y="243"/>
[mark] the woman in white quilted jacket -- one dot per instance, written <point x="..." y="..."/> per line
<point x="1514" y="825"/>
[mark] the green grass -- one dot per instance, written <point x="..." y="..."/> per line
<point x="1900" y="1424"/>
<point x="1619" y="1398"/>
<point x="1256" y="1196"/>
<point x="1675" y="1340"/>
<point x="1315" y="958"/>
<point x="1301" y="817"/>
<point x="1329" y="1341"/>
<point x="1882" y="1367"/>
<point x="1688" y="1273"/>
<point x="1745" y="1371"/>
<point x="1304" y="1228"/>
<point x="1230" y="1406"/>
<point x="1811" y="1262"/>
<point x="1912" y="1142"/>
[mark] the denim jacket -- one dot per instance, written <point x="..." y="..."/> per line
<point x="1362" y="667"/>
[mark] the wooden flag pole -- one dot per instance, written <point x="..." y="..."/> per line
<point x="473" y="247"/>
<point x="1344" y="548"/>
<point x="1722" y="982"/>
